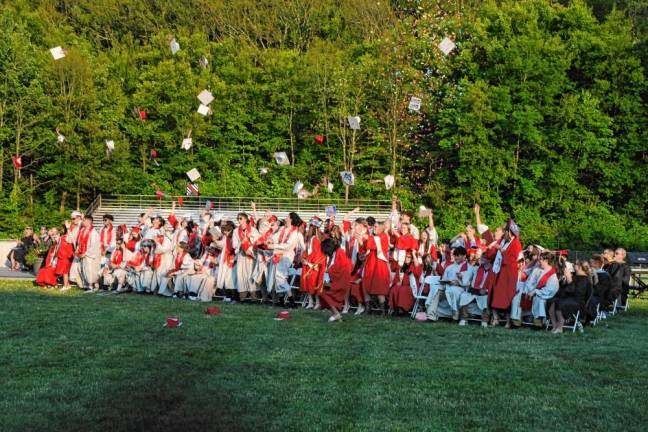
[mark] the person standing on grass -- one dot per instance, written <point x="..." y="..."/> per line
<point x="313" y="264"/>
<point x="243" y="239"/>
<point x="107" y="236"/>
<point x="505" y="266"/>
<point x="64" y="257"/>
<point x="376" y="276"/>
<point x="162" y="255"/>
<point x="88" y="252"/>
<point x="337" y="278"/>
<point x="226" y="261"/>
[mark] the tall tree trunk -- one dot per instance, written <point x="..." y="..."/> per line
<point x="1" y="168"/>
<point x="78" y="200"/>
<point x="63" y="200"/>
<point x="31" y="191"/>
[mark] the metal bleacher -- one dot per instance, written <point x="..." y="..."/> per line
<point x="126" y="209"/>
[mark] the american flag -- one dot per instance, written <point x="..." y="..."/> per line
<point x="192" y="189"/>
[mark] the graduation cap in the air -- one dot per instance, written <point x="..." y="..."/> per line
<point x="193" y="174"/>
<point x="263" y="171"/>
<point x="180" y="201"/>
<point x="424" y="212"/>
<point x="414" y="104"/>
<point x="174" y="45"/>
<point x="281" y="158"/>
<point x="159" y="194"/>
<point x="331" y="211"/>
<point x="204" y="110"/>
<point x="110" y="145"/>
<point x="319" y="139"/>
<point x="187" y="142"/>
<point x="58" y="53"/>
<point x="192" y="189"/>
<point x="142" y="115"/>
<point x="203" y="62"/>
<point x="347" y="178"/>
<point x="354" y="122"/>
<point x="329" y="186"/>
<point x="205" y="97"/>
<point x="389" y="181"/>
<point x="297" y="187"/>
<point x="59" y="136"/>
<point x="447" y="45"/>
<point x="17" y="161"/>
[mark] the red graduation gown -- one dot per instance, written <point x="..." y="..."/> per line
<point x="46" y="275"/>
<point x="340" y="275"/>
<point x="504" y="290"/>
<point x="400" y="296"/>
<point x="65" y="255"/>
<point x="311" y="280"/>
<point x="375" y="280"/>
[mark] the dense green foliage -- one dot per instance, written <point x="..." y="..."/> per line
<point x="73" y="362"/>
<point x="538" y="113"/>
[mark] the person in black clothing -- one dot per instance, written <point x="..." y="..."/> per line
<point x="19" y="252"/>
<point x="623" y="274"/>
<point x="601" y="289"/>
<point x="575" y="289"/>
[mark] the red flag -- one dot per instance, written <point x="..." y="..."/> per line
<point x="17" y="161"/>
<point x="142" y="115"/>
<point x="319" y="139"/>
<point x="159" y="195"/>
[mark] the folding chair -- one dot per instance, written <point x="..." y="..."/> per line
<point x="577" y="325"/>
<point x="418" y="296"/>
<point x="624" y="307"/>
<point x="293" y="274"/>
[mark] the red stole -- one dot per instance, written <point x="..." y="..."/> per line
<point x="157" y="259"/>
<point x="545" y="277"/>
<point x="283" y="236"/>
<point x="179" y="259"/>
<point x="105" y="236"/>
<point x="229" y="252"/>
<point x="84" y="235"/>
<point x="117" y="257"/>
<point x="244" y="236"/>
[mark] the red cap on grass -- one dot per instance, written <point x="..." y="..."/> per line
<point x="213" y="310"/>
<point x="283" y="315"/>
<point x="172" y="322"/>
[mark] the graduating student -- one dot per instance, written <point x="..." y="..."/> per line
<point x="267" y="227"/>
<point x="405" y="284"/>
<point x="115" y="270"/>
<point x="73" y="227"/>
<point x="140" y="267"/>
<point x="429" y="239"/>
<point x="544" y="289"/>
<point x="505" y="266"/>
<point x="64" y="257"/>
<point x="283" y="245"/>
<point x="457" y="278"/>
<point x="376" y="277"/>
<point x="46" y="276"/>
<point x="107" y="236"/>
<point x="226" y="261"/>
<point x="162" y="256"/>
<point x="338" y="278"/>
<point x="174" y="284"/>
<point x="243" y="240"/>
<point x="88" y="251"/>
<point x="482" y="282"/>
<point x="313" y="264"/>
<point x="403" y="242"/>
<point x="202" y="283"/>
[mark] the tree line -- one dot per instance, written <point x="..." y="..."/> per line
<point x="538" y="112"/>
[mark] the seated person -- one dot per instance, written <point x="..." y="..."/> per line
<point x="46" y="276"/>
<point x="201" y="284"/>
<point x="599" y="299"/>
<point x="139" y="268"/>
<point x="455" y="280"/>
<point x="571" y="296"/>
<point x="405" y="285"/>
<point x="476" y="298"/>
<point x="542" y="289"/>
<point x="19" y="252"/>
<point x="115" y="270"/>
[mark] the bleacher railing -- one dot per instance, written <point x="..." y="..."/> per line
<point x="237" y="204"/>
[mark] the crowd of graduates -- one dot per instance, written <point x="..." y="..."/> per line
<point x="354" y="263"/>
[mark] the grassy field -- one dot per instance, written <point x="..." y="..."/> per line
<point x="86" y="362"/>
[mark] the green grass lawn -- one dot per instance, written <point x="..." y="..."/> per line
<point x="86" y="362"/>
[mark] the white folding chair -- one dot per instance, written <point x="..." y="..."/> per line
<point x="293" y="273"/>
<point x="428" y="280"/>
